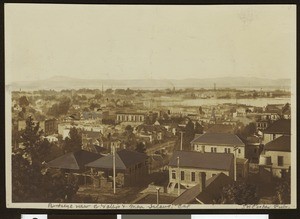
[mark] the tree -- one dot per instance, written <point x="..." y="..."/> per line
<point x="141" y="147"/>
<point x="129" y="137"/>
<point x="246" y="131"/>
<point x="239" y="193"/>
<point x="73" y="142"/>
<point x="283" y="191"/>
<point x="98" y="96"/>
<point x="30" y="180"/>
<point x="188" y="135"/>
<point x="94" y="105"/>
<point x="198" y="128"/>
<point x="23" y="101"/>
<point x="35" y="147"/>
<point x="60" y="108"/>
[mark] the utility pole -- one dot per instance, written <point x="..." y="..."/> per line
<point x="157" y="195"/>
<point x="114" y="168"/>
<point x="234" y="149"/>
<point x="178" y="170"/>
<point x="181" y="134"/>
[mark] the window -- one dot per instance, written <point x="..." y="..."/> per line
<point x="203" y="148"/>
<point x="212" y="149"/>
<point x="239" y="151"/>
<point x="228" y="150"/>
<point x="193" y="176"/>
<point x="274" y="136"/>
<point x="215" y="150"/>
<point x="280" y="160"/>
<point x="182" y="175"/>
<point x="173" y="174"/>
<point x="225" y="150"/>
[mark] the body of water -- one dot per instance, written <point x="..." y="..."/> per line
<point x="258" y="102"/>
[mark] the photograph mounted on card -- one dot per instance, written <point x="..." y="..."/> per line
<point x="150" y="106"/>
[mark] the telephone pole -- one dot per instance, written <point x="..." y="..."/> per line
<point x="178" y="170"/>
<point x="114" y="168"/>
<point x="181" y="137"/>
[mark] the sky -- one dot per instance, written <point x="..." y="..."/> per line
<point x="149" y="42"/>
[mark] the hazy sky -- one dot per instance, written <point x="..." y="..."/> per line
<point x="159" y="42"/>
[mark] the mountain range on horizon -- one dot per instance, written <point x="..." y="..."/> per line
<point x="64" y="82"/>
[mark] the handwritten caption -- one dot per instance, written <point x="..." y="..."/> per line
<point x="116" y="206"/>
<point x="265" y="206"/>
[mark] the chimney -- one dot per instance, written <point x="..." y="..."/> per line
<point x="202" y="180"/>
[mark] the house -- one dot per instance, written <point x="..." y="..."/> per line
<point x="210" y="194"/>
<point x="189" y="168"/>
<point x="73" y="160"/>
<point x="93" y="115"/>
<point x="131" y="168"/>
<point x="262" y="123"/>
<point x="276" y="157"/>
<point x="150" y="132"/>
<point x="274" y="108"/>
<point x="74" y="163"/>
<point x="130" y="117"/>
<point x="90" y="138"/>
<point x="169" y="125"/>
<point x="286" y="111"/>
<point x="219" y="143"/>
<point x="276" y="129"/>
<point x="49" y="126"/>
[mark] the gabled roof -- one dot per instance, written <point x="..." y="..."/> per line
<point x="188" y="195"/>
<point x="214" y="187"/>
<point x="73" y="160"/>
<point x="192" y="159"/>
<point x="220" y="128"/>
<point x="124" y="160"/>
<point x="219" y="139"/>
<point x="100" y="149"/>
<point x="131" y="113"/>
<point x="283" y="143"/>
<point x="281" y="126"/>
<point x="150" y="128"/>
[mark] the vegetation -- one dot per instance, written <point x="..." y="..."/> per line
<point x="31" y="182"/>
<point x="73" y="142"/>
<point x="239" y="193"/>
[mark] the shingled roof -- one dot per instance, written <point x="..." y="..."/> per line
<point x="214" y="187"/>
<point x="220" y="128"/>
<point x="283" y="143"/>
<point x="281" y="126"/>
<point x="74" y="160"/>
<point x="124" y="160"/>
<point x="188" y="195"/>
<point x="192" y="159"/>
<point x="219" y="139"/>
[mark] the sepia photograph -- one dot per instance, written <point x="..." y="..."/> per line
<point x="150" y="106"/>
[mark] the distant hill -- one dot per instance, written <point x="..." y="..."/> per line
<point x="62" y="82"/>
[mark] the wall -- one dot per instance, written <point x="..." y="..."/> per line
<point x="220" y="149"/>
<point x="187" y="181"/>
<point x="275" y="154"/>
